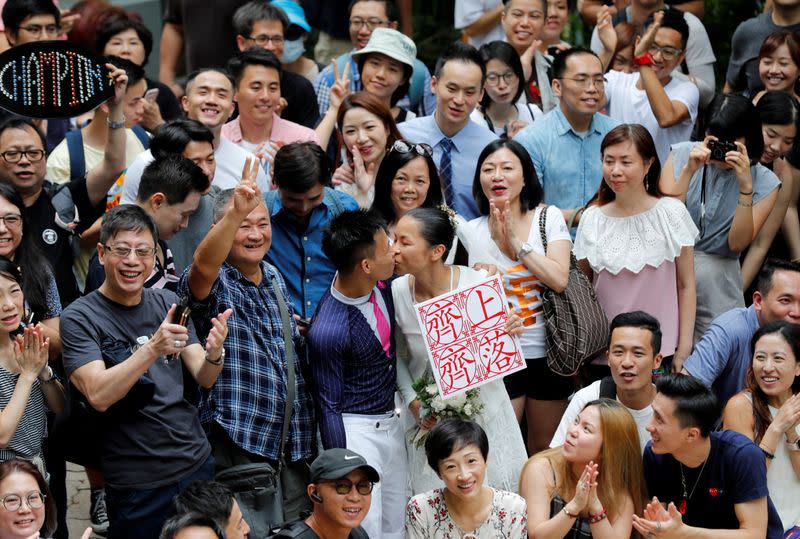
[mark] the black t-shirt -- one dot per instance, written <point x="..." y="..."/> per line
<point x="298" y="529"/>
<point x="734" y="472"/>
<point x="152" y="436"/>
<point x="302" y="105"/>
<point x="54" y="240"/>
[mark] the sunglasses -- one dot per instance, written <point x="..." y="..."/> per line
<point x="343" y="486"/>
<point x="401" y="146"/>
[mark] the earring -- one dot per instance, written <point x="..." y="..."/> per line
<point x="646" y="184"/>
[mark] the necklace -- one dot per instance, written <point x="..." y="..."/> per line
<point x="686" y="498"/>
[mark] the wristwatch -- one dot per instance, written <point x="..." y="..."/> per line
<point x="115" y="125"/>
<point x="219" y="361"/>
<point x="524" y="250"/>
<point x="644" y="60"/>
<point x="793" y="446"/>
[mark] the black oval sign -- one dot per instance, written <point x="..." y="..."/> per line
<point x="52" y="79"/>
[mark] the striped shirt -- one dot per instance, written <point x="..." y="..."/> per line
<point x="27" y="439"/>
<point x="249" y="396"/>
<point x="351" y="371"/>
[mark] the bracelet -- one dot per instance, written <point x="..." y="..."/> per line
<point x="767" y="454"/>
<point x="793" y="445"/>
<point x="744" y="204"/>
<point x="594" y="519"/>
<point x="216" y="362"/>
<point x="742" y="193"/>
<point x="570" y="515"/>
<point x="115" y="125"/>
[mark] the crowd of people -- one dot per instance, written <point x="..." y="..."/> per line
<point x="209" y="283"/>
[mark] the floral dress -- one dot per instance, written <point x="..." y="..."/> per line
<point x="427" y="517"/>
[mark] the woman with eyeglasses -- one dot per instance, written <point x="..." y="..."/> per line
<point x="28" y="385"/>
<point x="729" y="195"/>
<point x="407" y="179"/>
<point x="458" y="452"/>
<point x="422" y="241"/>
<point x="28" y="510"/>
<point x="501" y="108"/>
<point x="42" y="301"/>
<point x="366" y="131"/>
<point x="507" y="235"/>
<point x="780" y="235"/>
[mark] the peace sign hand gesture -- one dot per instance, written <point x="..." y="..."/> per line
<point x="246" y="195"/>
<point x="341" y="85"/>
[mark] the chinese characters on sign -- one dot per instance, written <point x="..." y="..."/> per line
<point x="464" y="336"/>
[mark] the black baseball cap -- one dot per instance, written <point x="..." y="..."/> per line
<point x="338" y="462"/>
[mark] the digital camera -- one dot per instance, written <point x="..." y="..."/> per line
<point x="719" y="148"/>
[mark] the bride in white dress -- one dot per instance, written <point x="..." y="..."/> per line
<point x="421" y="240"/>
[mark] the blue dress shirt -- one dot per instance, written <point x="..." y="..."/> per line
<point x="569" y="166"/>
<point x="467" y="145"/>
<point x="297" y="249"/>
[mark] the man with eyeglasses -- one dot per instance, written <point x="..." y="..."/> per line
<point x="565" y="143"/>
<point x="125" y="348"/>
<point x="26" y="21"/>
<point x="341" y="491"/>
<point x="665" y="105"/>
<point x="365" y="16"/>
<point x="264" y="25"/>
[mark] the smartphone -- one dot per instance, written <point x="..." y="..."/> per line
<point x="182" y="314"/>
<point x="304" y="322"/>
<point x="151" y="95"/>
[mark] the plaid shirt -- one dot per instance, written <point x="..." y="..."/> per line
<point x="325" y="80"/>
<point x="249" y="396"/>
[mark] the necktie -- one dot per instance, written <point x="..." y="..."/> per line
<point x="381" y="323"/>
<point x="446" y="171"/>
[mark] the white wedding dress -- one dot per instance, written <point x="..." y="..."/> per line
<point x="506" y="448"/>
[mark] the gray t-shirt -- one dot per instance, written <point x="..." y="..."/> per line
<point x="722" y="195"/>
<point x="742" y="71"/>
<point x="153" y="436"/>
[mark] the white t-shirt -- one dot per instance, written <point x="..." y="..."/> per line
<point x="230" y="162"/>
<point x="526" y="112"/>
<point x="628" y="104"/>
<point x="523" y="289"/>
<point x="469" y="11"/>
<point x="588" y="394"/>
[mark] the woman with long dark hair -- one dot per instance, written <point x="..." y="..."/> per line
<point x="768" y="412"/>
<point x="637" y="244"/>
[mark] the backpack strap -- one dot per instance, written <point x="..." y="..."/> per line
<point x="416" y="89"/>
<point x="142" y="135"/>
<point x="77" y="158"/>
<point x="608" y="389"/>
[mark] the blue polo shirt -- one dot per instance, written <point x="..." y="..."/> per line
<point x="568" y="164"/>
<point x="296" y="250"/>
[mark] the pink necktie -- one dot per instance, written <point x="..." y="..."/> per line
<point x="381" y="323"/>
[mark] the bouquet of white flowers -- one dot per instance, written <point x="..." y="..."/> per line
<point x="465" y="405"/>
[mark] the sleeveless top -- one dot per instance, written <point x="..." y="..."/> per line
<point x="580" y="528"/>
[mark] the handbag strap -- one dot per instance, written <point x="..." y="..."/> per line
<point x="290" y="356"/>
<point x="573" y="262"/>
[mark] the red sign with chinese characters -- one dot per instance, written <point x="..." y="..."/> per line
<point x="464" y="337"/>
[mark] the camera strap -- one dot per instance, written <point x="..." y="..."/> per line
<point x="703" y="203"/>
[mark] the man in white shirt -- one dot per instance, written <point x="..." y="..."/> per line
<point x="665" y="105"/>
<point x="632" y="355"/>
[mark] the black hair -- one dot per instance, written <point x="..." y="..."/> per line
<point x="435" y="227"/>
<point x="117" y="25"/>
<point x="20" y="122"/>
<point x="299" y="166"/>
<point x="211" y="498"/>
<point x="172" y="137"/>
<point x="177" y="523"/>
<point x="764" y="280"/>
<point x="640" y="320"/>
<point x="779" y="108"/>
<point x="559" y="66"/>
<point x="16" y="11"/>
<point x="392" y="162"/>
<point x="37" y="273"/>
<point x="532" y="192"/>
<point x="695" y="403"/>
<point x="731" y="116"/>
<point x="257" y="10"/>
<point x="350" y="237"/>
<point x="504" y="52"/>
<point x="451" y="435"/>
<point x="126" y="217"/>
<point x="174" y="176"/>
<point x="254" y="56"/>
<point x="461" y="52"/>
<point x="401" y="90"/>
<point x="388" y="5"/>
<point x="675" y="20"/>
<point x="194" y="74"/>
<point x="135" y="72"/>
